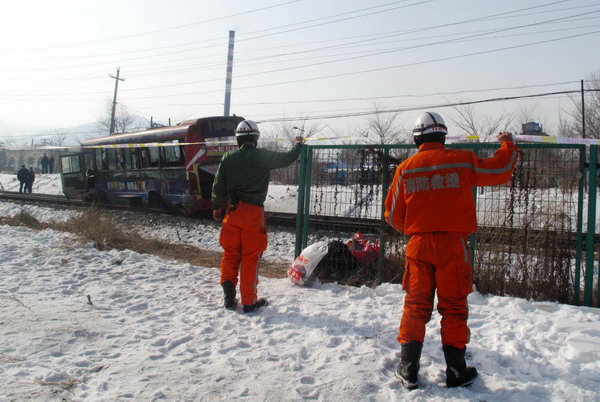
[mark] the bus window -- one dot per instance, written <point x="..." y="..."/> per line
<point x="128" y="158"/>
<point x="70" y="164"/>
<point x="219" y="127"/>
<point x="182" y="154"/>
<point x="120" y="158"/>
<point x="135" y="158"/>
<point x="144" y="158"/>
<point x="101" y="159"/>
<point x="154" y="157"/>
<point x="171" y="155"/>
<point x="112" y="160"/>
<point x="88" y="160"/>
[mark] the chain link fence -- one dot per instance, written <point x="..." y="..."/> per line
<point x="532" y="240"/>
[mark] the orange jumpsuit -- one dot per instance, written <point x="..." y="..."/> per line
<point x="431" y="200"/>
<point x="244" y="239"/>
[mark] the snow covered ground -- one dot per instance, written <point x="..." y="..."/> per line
<point x="43" y="183"/>
<point x="81" y="324"/>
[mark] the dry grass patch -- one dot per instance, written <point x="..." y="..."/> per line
<point x="66" y="385"/>
<point x="92" y="225"/>
<point x="22" y="219"/>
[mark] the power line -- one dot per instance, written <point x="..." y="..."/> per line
<point x="436" y="106"/>
<point x="337" y="75"/>
<point x="372" y="112"/>
<point x="438" y="26"/>
<point x="154" y="56"/>
<point x="156" y="31"/>
<point x="362" y="99"/>
<point x="352" y="73"/>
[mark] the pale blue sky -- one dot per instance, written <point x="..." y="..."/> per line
<point x="293" y="59"/>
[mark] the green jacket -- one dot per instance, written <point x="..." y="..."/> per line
<point x="244" y="173"/>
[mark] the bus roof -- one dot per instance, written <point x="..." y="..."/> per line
<point x="152" y="134"/>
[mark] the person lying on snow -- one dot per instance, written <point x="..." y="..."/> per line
<point x="364" y="250"/>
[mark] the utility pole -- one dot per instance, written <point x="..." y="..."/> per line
<point x="114" y="104"/>
<point x="229" y="73"/>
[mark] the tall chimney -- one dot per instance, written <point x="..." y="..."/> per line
<point x="229" y="71"/>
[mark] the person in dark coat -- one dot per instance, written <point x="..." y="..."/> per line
<point x="29" y="185"/>
<point x="45" y="163"/>
<point x="51" y="164"/>
<point x="23" y="177"/>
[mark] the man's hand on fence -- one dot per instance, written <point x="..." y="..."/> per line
<point x="299" y="140"/>
<point x="504" y="136"/>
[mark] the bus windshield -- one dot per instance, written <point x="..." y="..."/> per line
<point x="219" y="128"/>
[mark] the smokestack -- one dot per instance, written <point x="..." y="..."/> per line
<point x="229" y="73"/>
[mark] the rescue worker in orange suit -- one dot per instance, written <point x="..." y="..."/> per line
<point x="431" y="200"/>
<point x="240" y="187"/>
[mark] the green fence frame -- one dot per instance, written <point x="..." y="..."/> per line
<point x="586" y="241"/>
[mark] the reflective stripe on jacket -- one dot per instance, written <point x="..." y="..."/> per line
<point x="432" y="191"/>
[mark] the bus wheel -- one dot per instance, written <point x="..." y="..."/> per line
<point x="155" y="201"/>
<point x="101" y="198"/>
<point x="136" y="202"/>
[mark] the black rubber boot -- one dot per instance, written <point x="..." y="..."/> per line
<point x="457" y="372"/>
<point x="408" y="369"/>
<point x="229" y="290"/>
<point x="250" y="308"/>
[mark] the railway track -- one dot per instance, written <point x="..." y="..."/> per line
<point x="485" y="235"/>
<point x="324" y="223"/>
<point x="57" y="200"/>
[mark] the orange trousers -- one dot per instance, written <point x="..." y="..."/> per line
<point x="438" y="260"/>
<point x="243" y="238"/>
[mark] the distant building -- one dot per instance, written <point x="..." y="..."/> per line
<point x="532" y="128"/>
<point x="12" y="159"/>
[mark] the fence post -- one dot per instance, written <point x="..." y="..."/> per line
<point x="579" y="238"/>
<point x="591" y="227"/>
<point x="308" y="182"/>
<point x="384" y="187"/>
<point x="302" y="180"/>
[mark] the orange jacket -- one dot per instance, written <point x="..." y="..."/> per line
<point x="432" y="191"/>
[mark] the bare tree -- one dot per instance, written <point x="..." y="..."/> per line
<point x="288" y="131"/>
<point x="352" y="135"/>
<point x="10" y="141"/>
<point x="124" y="120"/>
<point x="59" y="138"/>
<point x="571" y="122"/>
<point x="384" y="128"/>
<point x="483" y="126"/>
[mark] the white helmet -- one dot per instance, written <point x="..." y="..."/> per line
<point x="430" y="123"/>
<point x="247" y="127"/>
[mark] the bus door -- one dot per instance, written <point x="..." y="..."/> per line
<point x="73" y="167"/>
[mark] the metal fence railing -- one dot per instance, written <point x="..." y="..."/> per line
<point x="537" y="233"/>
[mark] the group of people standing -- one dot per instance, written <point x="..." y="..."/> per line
<point x="26" y="176"/>
<point x="430" y="200"/>
<point x="47" y="164"/>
